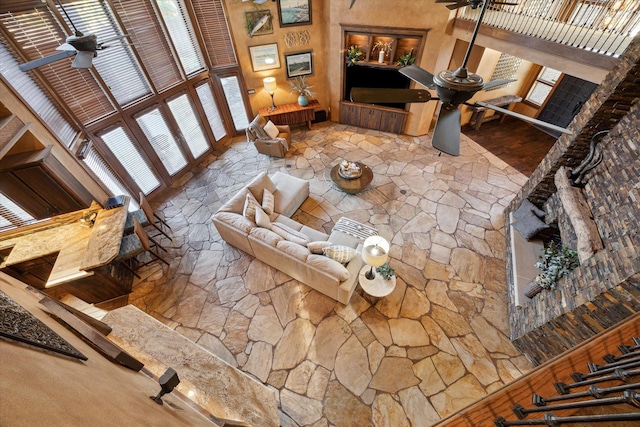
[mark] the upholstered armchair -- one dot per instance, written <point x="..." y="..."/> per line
<point x="276" y="146"/>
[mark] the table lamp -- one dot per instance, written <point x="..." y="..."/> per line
<point x="270" y="86"/>
<point x="375" y="252"/>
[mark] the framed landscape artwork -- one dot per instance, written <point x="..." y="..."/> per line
<point x="294" y="12"/>
<point x="264" y="57"/>
<point x="299" y="63"/>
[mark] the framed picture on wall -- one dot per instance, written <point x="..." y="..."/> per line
<point x="259" y="22"/>
<point x="294" y="12"/>
<point x="264" y="57"/>
<point x="299" y="63"/>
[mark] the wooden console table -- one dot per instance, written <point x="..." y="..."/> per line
<point x="289" y="114"/>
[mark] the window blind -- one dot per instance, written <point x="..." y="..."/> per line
<point x="12" y="215"/>
<point x="155" y="128"/>
<point x="141" y="23"/>
<point x="182" y="34"/>
<point x="215" y="32"/>
<point x="37" y="99"/>
<point x="208" y="102"/>
<point x="116" y="63"/>
<point x="122" y="147"/>
<point x="94" y="161"/>
<point x="38" y="34"/>
<point x="189" y="125"/>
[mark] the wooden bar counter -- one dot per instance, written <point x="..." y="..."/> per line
<point x="62" y="251"/>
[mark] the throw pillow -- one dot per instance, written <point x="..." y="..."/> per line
<point x="262" y="219"/>
<point x="271" y="129"/>
<point x="250" y="205"/>
<point x="317" y="246"/>
<point x="529" y="226"/>
<point x="525" y="207"/>
<point x="340" y="253"/>
<point x="289" y="233"/>
<point x="267" y="201"/>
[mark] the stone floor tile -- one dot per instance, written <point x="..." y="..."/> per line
<point x="351" y="366"/>
<point x="292" y="347"/>
<point x="431" y="383"/>
<point x="299" y="377"/>
<point x="408" y="332"/>
<point x="259" y="362"/>
<point x="301" y="409"/>
<point x="393" y="374"/>
<point x="265" y="326"/>
<point x="463" y="392"/>
<point x="331" y="333"/>
<point x="417" y="407"/>
<point x="475" y="359"/>
<point x="388" y="413"/>
<point x="318" y="383"/>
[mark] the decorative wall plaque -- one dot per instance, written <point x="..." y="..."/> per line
<point x="18" y="324"/>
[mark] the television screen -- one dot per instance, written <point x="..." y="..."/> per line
<point x="372" y="76"/>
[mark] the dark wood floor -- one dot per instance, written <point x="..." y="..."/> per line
<point x="514" y="141"/>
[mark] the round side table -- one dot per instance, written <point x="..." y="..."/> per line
<point x="376" y="287"/>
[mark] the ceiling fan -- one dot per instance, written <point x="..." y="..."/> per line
<point x="84" y="47"/>
<point x="453" y="87"/>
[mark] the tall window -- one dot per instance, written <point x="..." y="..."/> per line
<point x="105" y="175"/>
<point x="231" y="88"/>
<point x="208" y="102"/>
<point x="546" y="80"/>
<point x="189" y="125"/>
<point x="155" y="128"/>
<point x="12" y="215"/>
<point x="123" y="148"/>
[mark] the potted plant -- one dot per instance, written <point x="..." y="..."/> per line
<point x="386" y="271"/>
<point x="554" y="264"/>
<point x="383" y="49"/>
<point x="299" y="84"/>
<point x="407" y="59"/>
<point x="354" y="54"/>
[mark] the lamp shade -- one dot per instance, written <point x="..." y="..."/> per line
<point x="270" y="84"/>
<point x="375" y="251"/>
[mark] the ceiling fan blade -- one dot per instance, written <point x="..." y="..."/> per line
<point x="525" y="118"/>
<point x="456" y="6"/>
<point x="83" y="59"/>
<point x="370" y="95"/>
<point x="450" y="1"/>
<point x="446" y="135"/>
<point x="112" y="39"/>
<point x="418" y="75"/>
<point x="46" y="60"/>
<point x="497" y="82"/>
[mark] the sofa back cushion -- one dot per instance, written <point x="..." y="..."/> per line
<point x="259" y="183"/>
<point x="267" y="236"/>
<point x="329" y="266"/>
<point x="295" y="250"/>
<point x="235" y="220"/>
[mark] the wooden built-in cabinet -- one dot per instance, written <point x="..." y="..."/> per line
<point x="40" y="184"/>
<point x="371" y="73"/>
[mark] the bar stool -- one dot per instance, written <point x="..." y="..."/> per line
<point x="135" y="244"/>
<point x="153" y="218"/>
<point x="142" y="218"/>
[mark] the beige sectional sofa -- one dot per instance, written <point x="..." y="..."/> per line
<point x="288" y="255"/>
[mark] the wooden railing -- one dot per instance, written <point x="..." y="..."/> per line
<point x="605" y="27"/>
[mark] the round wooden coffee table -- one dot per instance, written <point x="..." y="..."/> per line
<point x="352" y="185"/>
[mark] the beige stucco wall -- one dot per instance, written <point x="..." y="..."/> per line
<point x="236" y="9"/>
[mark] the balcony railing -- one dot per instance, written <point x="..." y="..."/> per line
<point x="602" y="26"/>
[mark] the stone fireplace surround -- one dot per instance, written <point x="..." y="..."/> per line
<point x="605" y="288"/>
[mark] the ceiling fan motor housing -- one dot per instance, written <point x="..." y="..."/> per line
<point x="83" y="43"/>
<point x="454" y="87"/>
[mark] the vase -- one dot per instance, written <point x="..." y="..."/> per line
<point x="381" y="57"/>
<point x="532" y="289"/>
<point x="303" y="100"/>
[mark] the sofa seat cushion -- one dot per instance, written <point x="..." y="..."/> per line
<point x="236" y="220"/>
<point x="295" y="250"/>
<point x="292" y="192"/>
<point x="312" y="234"/>
<point x="329" y="266"/>
<point x="265" y="235"/>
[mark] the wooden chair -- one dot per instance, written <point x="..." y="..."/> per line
<point x="135" y="244"/>
<point x="154" y="220"/>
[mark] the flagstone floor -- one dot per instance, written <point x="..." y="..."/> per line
<point x="436" y="344"/>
